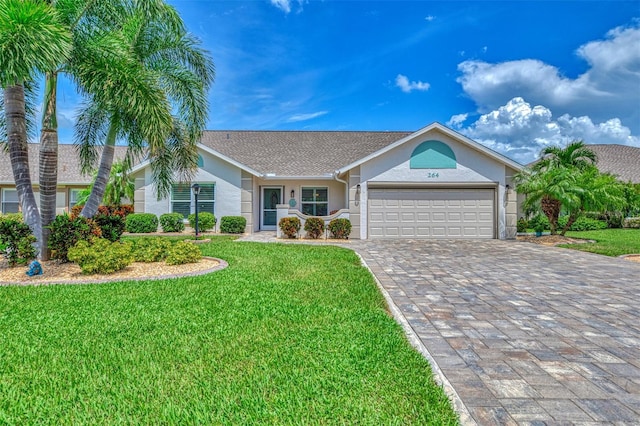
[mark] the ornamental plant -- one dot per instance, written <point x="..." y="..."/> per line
<point x="172" y="222"/>
<point x="232" y="224"/>
<point x="340" y="228"/>
<point x="142" y="223"/>
<point x="290" y="226"/>
<point x="16" y="242"/>
<point x="523" y="224"/>
<point x="314" y="227"/>
<point x="151" y="249"/>
<point x="183" y="252"/>
<point x="206" y="221"/>
<point x="66" y="231"/>
<point x="101" y="256"/>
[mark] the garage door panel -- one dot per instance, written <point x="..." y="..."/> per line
<point x="431" y="213"/>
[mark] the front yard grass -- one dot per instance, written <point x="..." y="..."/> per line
<point x="287" y="334"/>
<point x="610" y="242"/>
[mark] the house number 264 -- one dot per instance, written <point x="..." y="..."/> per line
<point x="433" y="174"/>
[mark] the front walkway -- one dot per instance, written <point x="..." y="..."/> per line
<point x="523" y="334"/>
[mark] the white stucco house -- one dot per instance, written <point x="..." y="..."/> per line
<point x="432" y="183"/>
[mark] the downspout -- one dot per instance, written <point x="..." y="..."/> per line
<point x="346" y="184"/>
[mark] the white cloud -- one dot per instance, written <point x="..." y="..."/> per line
<point x="457" y="120"/>
<point x="609" y="87"/>
<point x="521" y="131"/>
<point x="305" y="117"/>
<point x="285" y="5"/>
<point x="429" y="18"/>
<point x="403" y="83"/>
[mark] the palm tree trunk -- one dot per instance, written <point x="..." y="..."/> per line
<point x="106" y="160"/>
<point x="48" y="178"/>
<point x="14" y="104"/>
<point x="551" y="208"/>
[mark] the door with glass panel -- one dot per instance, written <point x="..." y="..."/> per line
<point x="271" y="197"/>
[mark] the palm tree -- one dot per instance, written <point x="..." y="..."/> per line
<point x="33" y="39"/>
<point x="575" y="155"/>
<point x="155" y="100"/>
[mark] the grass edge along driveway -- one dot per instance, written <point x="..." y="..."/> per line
<point x="609" y="242"/>
<point x="287" y="334"/>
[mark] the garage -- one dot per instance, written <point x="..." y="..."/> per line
<point x="431" y="213"/>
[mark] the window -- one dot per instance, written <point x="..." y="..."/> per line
<point x="182" y="198"/>
<point x="315" y="201"/>
<point x="10" y="203"/>
<point x="73" y="197"/>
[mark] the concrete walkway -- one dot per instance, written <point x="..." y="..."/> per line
<point x="518" y="333"/>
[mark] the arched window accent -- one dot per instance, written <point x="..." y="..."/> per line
<point x="200" y="161"/>
<point x="433" y="155"/>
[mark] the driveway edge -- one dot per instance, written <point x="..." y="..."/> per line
<point x="412" y="336"/>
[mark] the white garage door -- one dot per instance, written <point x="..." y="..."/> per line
<point x="431" y="213"/>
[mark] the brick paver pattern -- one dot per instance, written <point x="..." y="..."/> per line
<point x="525" y="334"/>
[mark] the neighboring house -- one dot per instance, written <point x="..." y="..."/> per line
<point x="432" y="183"/>
<point x="620" y="160"/>
<point x="70" y="179"/>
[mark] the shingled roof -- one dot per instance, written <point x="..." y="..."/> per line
<point x="297" y="153"/>
<point x="68" y="165"/>
<point x="620" y="160"/>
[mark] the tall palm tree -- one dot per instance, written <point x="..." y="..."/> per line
<point x="33" y="39"/>
<point x="155" y="99"/>
<point x="575" y="155"/>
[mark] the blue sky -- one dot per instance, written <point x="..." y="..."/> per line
<point x="513" y="75"/>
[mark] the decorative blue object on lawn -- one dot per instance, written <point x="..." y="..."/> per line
<point x="34" y="268"/>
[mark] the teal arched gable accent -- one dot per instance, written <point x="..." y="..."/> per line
<point x="200" y="161"/>
<point x="433" y="155"/>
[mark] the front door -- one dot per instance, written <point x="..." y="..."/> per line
<point x="271" y="197"/>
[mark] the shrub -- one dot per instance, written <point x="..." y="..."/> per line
<point x="17" y="242"/>
<point x="142" y="223"/>
<point x="183" y="252"/>
<point x="172" y="222"/>
<point x="150" y="249"/>
<point x="523" y="224"/>
<point x="12" y="216"/>
<point x="340" y="228"/>
<point x="111" y="225"/>
<point x="290" y="226"/>
<point x="582" y="224"/>
<point x="314" y="227"/>
<point x="632" y="222"/>
<point x="206" y="221"/>
<point x="232" y="224"/>
<point x="539" y="219"/>
<point x="101" y="256"/>
<point x="67" y="231"/>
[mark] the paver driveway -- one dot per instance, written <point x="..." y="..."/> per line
<point x="524" y="334"/>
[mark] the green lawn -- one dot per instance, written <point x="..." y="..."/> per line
<point x="610" y="242"/>
<point x="287" y="334"/>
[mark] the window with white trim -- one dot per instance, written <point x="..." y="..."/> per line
<point x="315" y="201"/>
<point x="182" y="199"/>
<point x="10" y="202"/>
<point x="74" y="194"/>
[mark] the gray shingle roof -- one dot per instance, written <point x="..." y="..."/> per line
<point x="68" y="165"/>
<point x="297" y="153"/>
<point x="620" y="160"/>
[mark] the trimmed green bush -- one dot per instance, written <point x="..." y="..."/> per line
<point x="17" y="242"/>
<point x="232" y="224"/>
<point x="142" y="223"/>
<point x="101" y="256"/>
<point x="172" y="222"/>
<point x="631" y="222"/>
<point x="523" y="224"/>
<point x="111" y="225"/>
<point x="539" y="219"/>
<point x="582" y="224"/>
<point x="183" y="252"/>
<point x="314" y="227"/>
<point x="206" y="221"/>
<point x="151" y="249"/>
<point x="290" y="226"/>
<point x="66" y="231"/>
<point x="12" y="216"/>
<point x="340" y="228"/>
